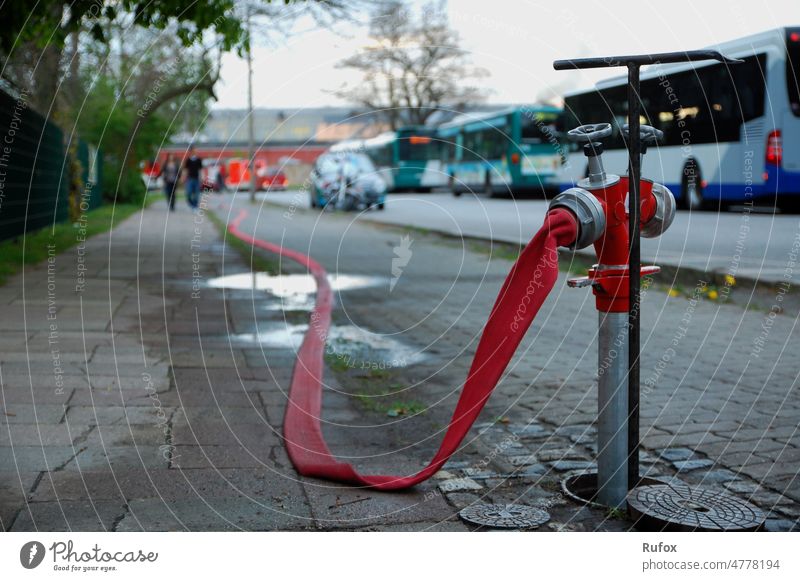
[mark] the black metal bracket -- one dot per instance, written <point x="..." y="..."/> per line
<point x="643" y="59"/>
<point x="633" y="63"/>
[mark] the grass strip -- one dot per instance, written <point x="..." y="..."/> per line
<point x="14" y="255"/>
<point x="257" y="261"/>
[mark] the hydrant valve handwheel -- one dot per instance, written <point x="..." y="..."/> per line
<point x="590" y="133"/>
<point x="647" y="134"/>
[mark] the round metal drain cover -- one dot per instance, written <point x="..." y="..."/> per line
<point x="677" y="507"/>
<point x="504" y="516"/>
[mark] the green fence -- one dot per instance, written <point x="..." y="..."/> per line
<point x="34" y="170"/>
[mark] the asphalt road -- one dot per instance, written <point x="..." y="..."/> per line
<point x="754" y="244"/>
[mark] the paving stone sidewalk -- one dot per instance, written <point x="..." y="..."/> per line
<point x="144" y="379"/>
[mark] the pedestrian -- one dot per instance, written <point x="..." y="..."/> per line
<point x="191" y="168"/>
<point x="170" y="173"/>
<point x="221" y="176"/>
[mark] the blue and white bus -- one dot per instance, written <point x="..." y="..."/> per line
<point x="731" y="132"/>
<point x="408" y="159"/>
<point x="503" y="152"/>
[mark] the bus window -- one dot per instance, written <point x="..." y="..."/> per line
<point x="536" y="132"/>
<point x="490" y="143"/>
<point x="707" y="104"/>
<point x="472" y="145"/>
<point x="381" y="155"/>
<point x="600" y="106"/>
<point x="447" y="146"/>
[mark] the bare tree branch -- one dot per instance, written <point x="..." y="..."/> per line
<point x="414" y="66"/>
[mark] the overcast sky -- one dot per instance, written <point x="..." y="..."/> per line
<point x="515" y="40"/>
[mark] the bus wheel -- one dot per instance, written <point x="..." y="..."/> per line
<point x="692" y="188"/>
<point x="786" y="204"/>
<point x="381" y="206"/>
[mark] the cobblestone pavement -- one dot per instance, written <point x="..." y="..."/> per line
<point x="153" y="397"/>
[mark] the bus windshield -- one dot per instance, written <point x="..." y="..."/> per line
<point x="416" y="148"/>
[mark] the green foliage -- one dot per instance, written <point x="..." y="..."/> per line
<point x="50" y="21"/>
<point x="105" y="120"/>
<point x="617" y="513"/>
<point x="254" y="259"/>
<point x="376" y="402"/>
<point x="123" y="82"/>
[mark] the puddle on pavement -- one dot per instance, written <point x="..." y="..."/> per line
<point x="359" y="348"/>
<point x="291" y="292"/>
<point x="290" y="304"/>
<point x="278" y="335"/>
<point x="292" y="285"/>
<point x="346" y="345"/>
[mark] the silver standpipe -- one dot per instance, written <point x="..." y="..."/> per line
<point x="612" y="408"/>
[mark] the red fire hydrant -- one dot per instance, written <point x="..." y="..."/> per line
<point x="600" y="204"/>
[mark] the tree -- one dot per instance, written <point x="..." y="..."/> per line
<point x="118" y="61"/>
<point x="97" y="68"/>
<point x="413" y="68"/>
<point x="134" y="97"/>
<point x="50" y="22"/>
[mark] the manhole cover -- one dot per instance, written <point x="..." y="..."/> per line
<point x="504" y="516"/>
<point x="677" y="507"/>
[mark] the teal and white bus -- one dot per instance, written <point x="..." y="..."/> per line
<point x="408" y="159"/>
<point x="731" y="132"/>
<point x="503" y="152"/>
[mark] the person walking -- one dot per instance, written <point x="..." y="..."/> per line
<point x="221" y="176"/>
<point x="170" y="173"/>
<point x="192" y="167"/>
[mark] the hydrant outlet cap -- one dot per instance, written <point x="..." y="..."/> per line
<point x="589" y="214"/>
<point x="664" y="214"/>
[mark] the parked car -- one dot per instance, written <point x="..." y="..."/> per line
<point x="272" y="179"/>
<point x="347" y="181"/>
<point x="151" y="175"/>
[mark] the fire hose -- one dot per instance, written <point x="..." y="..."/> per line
<point x="525" y="289"/>
<point x="608" y="211"/>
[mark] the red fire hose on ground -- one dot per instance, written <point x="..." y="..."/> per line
<point x="528" y="283"/>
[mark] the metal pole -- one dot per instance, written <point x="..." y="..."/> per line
<point x="251" y="150"/>
<point x="634" y="261"/>
<point x="612" y="408"/>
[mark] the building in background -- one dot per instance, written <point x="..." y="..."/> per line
<point x="290" y="140"/>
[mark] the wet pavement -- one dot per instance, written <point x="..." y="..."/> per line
<point x="156" y="402"/>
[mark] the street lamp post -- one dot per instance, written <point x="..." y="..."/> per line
<point x="251" y="150"/>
